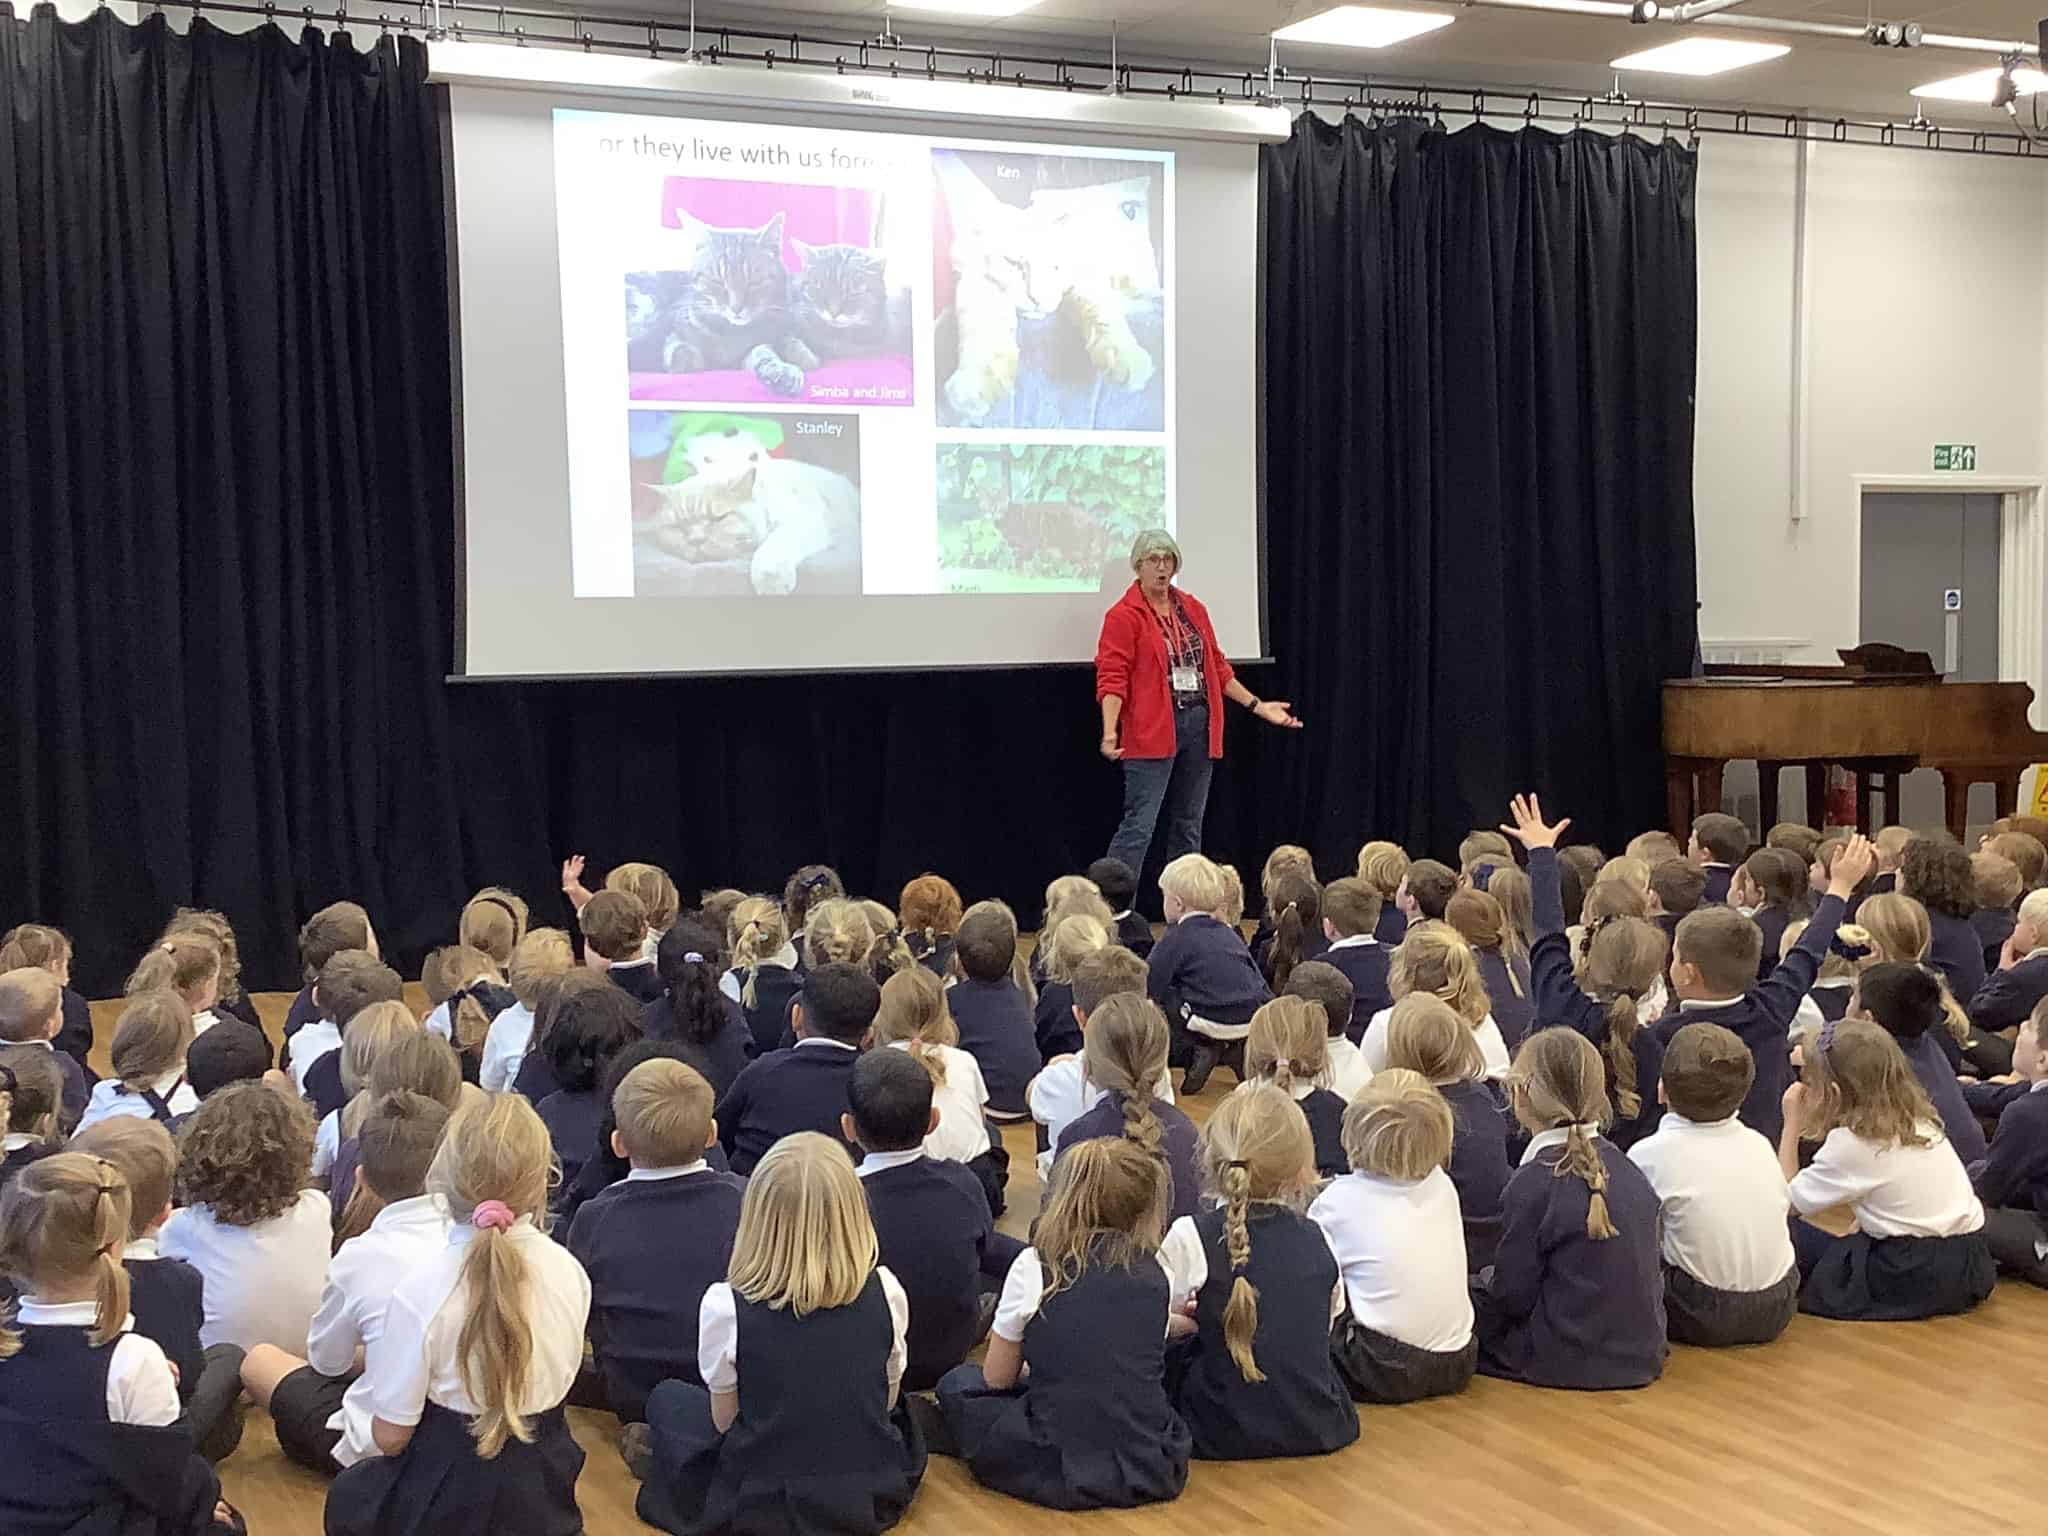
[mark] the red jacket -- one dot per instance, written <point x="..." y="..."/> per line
<point x="1130" y="663"/>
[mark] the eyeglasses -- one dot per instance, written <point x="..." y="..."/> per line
<point x="1158" y="560"/>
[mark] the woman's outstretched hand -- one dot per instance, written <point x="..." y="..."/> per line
<point x="1529" y="829"/>
<point x="1277" y="712"/>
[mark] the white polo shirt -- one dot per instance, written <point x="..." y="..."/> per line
<point x="1895" y="1191"/>
<point x="1400" y="1247"/>
<point x="1724" y="1200"/>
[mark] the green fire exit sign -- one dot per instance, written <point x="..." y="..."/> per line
<point x="1961" y="456"/>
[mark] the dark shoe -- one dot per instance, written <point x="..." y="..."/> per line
<point x="636" y="1449"/>
<point x="1202" y="1060"/>
<point x="931" y="1424"/>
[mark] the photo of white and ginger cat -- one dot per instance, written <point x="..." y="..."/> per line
<point x="1049" y="273"/>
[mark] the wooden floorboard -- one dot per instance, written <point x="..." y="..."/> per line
<point x="1839" y="1428"/>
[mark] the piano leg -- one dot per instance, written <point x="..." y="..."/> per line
<point x="2007" y="789"/>
<point x="1710" y="787"/>
<point x="1767" y="795"/>
<point x="1678" y="772"/>
<point x="1888" y="786"/>
<point x="1955" y="794"/>
<point x="1817" y="795"/>
<point x="1862" y="802"/>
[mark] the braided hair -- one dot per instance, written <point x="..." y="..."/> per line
<point x="1557" y="1084"/>
<point x="1256" y="1149"/>
<point x="1124" y="1052"/>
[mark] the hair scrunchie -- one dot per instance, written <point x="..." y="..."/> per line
<point x="693" y="958"/>
<point x="493" y="1216"/>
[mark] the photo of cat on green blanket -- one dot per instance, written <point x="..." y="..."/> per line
<point x="742" y="506"/>
<point x="1017" y="517"/>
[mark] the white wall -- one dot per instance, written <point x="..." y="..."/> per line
<point x="1927" y="322"/>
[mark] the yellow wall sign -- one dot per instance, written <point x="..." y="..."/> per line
<point x="2040" y="799"/>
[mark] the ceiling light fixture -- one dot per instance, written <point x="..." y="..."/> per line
<point x="1701" y="56"/>
<point x="1363" y="26"/>
<point x="1982" y="85"/>
<point x="985" y="10"/>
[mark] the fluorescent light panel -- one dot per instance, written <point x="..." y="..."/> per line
<point x="986" y="9"/>
<point x="1363" y="26"/>
<point x="1978" y="85"/>
<point x="1701" y="56"/>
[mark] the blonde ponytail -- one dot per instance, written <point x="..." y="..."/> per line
<point x="756" y="930"/>
<point x="65" y="1215"/>
<point x="1583" y="1158"/>
<point x="1557" y="1083"/>
<point x="1241" y="1312"/>
<point x="1124" y="1051"/>
<point x="496" y="1342"/>
<point x="914" y="1013"/>
<point x="1256" y="1148"/>
<point x="1618" y="1051"/>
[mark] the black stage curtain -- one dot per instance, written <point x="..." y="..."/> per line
<point x="1479" y="356"/>
<point x="225" y="419"/>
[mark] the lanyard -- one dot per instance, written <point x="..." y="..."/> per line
<point x="1179" y="641"/>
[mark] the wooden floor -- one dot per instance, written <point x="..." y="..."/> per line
<point x="1837" y="1428"/>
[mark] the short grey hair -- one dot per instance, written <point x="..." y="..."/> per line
<point x="1154" y="541"/>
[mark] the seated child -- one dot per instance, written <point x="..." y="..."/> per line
<point x="151" y="1040"/>
<point x="653" y="1243"/>
<point x="710" y="1027"/>
<point x="1936" y="873"/>
<point x="801" y="1349"/>
<point x="1480" y="921"/>
<point x="614" y="925"/>
<point x="590" y="1029"/>
<point x="494" y="920"/>
<point x="765" y="972"/>
<point x="2011" y="993"/>
<point x="931" y="1215"/>
<point x="990" y="1010"/>
<point x="1383" y="866"/>
<point x="1062" y="1093"/>
<point x="1678" y="887"/>
<point x="1287" y="1049"/>
<point x="348" y="983"/>
<point x="1918" y="1249"/>
<point x="1125" y="1056"/>
<point x="1654" y="848"/>
<point x="1796" y="836"/>
<point x="1426" y="1037"/>
<point x="1118" y="883"/>
<point x="257" y="1235"/>
<point x="1997" y="887"/>
<point x="1202" y="976"/>
<point x="230" y="1052"/>
<point x="804" y="1087"/>
<point x="1295" y="913"/>
<point x="1067" y="896"/>
<point x="467" y="990"/>
<point x="1836" y="982"/>
<point x="342" y="925"/>
<point x="1262" y="1287"/>
<point x="1729" y="1275"/>
<point x="1069" y="1410"/>
<point x="1575" y="1296"/>
<point x="1426" y="892"/>
<point x="30" y="1103"/>
<point x="164" y="1295"/>
<point x="95" y="1439"/>
<point x="187" y="963"/>
<point x="32" y="1014"/>
<point x="1907" y="1002"/>
<point x="472" y="1437"/>
<point x="230" y="1001"/>
<point x="929" y="911"/>
<point x="1771" y="887"/>
<point x="1290" y="862"/>
<point x="1351" y="920"/>
<point x="1061" y="950"/>
<point x="542" y="953"/>
<point x="2012" y="1181"/>
<point x="2022" y="850"/>
<point x="1393" y="1224"/>
<point x="1435" y="958"/>
<point x="41" y="945"/>
<point x="1319" y="982"/>
<point x="1718" y="843"/>
<point x="371" y="1033"/>
<point x="412" y="1061"/>
<point x="914" y="1018"/>
<point x="321" y="1405"/>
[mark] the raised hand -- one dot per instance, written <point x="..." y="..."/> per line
<point x="1529" y="828"/>
<point x="1853" y="864"/>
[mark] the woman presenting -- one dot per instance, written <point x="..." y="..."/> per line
<point x="1161" y="680"/>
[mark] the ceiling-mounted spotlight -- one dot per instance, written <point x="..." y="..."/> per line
<point x="1912" y="34"/>
<point x="1644" y="11"/>
<point x="2004" y="91"/>
<point x="1894" y="34"/>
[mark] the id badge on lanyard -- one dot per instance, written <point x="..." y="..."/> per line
<point x="1187" y="679"/>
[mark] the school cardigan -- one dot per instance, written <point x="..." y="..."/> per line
<point x="931" y="1219"/>
<point x="718" y="1060"/>
<point x="1130" y="664"/>
<point x="1365" y="966"/>
<point x="1956" y="952"/>
<point x="2007" y="997"/>
<point x="2015" y="1169"/>
<point x="800" y="1089"/>
<point x="1201" y="969"/>
<point x="1993" y="926"/>
<point x="1179" y="1144"/>
<point x="995" y="1028"/>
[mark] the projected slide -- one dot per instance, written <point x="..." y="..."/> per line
<point x="801" y="362"/>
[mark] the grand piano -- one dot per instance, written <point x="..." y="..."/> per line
<point x="1881" y="714"/>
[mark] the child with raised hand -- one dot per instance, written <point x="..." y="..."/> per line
<point x="1426" y="1037"/>
<point x="1069" y="1408"/>
<point x="1395" y="1229"/>
<point x="1319" y="982"/>
<point x="151" y="1040"/>
<point x="94" y="1436"/>
<point x="1729" y="1274"/>
<point x="929" y="911"/>
<point x="1434" y="958"/>
<point x="39" y="944"/>
<point x="257" y="1235"/>
<point x="1834" y="985"/>
<point x="1624" y="962"/>
<point x="1288" y="1048"/>
<point x="1125" y="1056"/>
<point x="1575" y="1295"/>
<point x="540" y="954"/>
<point x="1202" y="976"/>
<point x="2012" y="1181"/>
<point x="32" y="1016"/>
<point x="914" y="1018"/>
<point x="1118" y="883"/>
<point x="480" y="1346"/>
<point x="654" y="1242"/>
<point x="991" y="1010"/>
<point x="798" y="1425"/>
<point x="1061" y="951"/>
<point x="1259" y="1280"/>
<point x="321" y="1405"/>
<point x="1918" y="1249"/>
<point x="590" y="1029"/>
<point x="31" y="1101"/>
<point x="710" y="1027"/>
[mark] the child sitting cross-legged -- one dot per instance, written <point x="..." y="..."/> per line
<point x="2012" y="1181"/>
<point x="151" y="1041"/>
<point x="1202" y="976"/>
<point x="1287" y="1048"/>
<point x="1319" y="982"/>
<point x="804" y="1087"/>
<point x="914" y="1019"/>
<point x="1062" y="1092"/>
<point x="1125" y="1056"/>
<point x="1424" y="1036"/>
<point x="321" y="1405"/>
<point x="991" y="1007"/>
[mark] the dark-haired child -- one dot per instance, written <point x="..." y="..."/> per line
<point x="1936" y="873"/>
<point x="709" y="1026"/>
<point x="31" y="1014"/>
<point x="1118" y="883"/>
<point x="321" y="1405"/>
<point x="1772" y="886"/>
<point x="1351" y="915"/>
<point x="654" y="1242"/>
<point x="1323" y="984"/>
<point x="1729" y="1272"/>
<point x="1718" y="843"/>
<point x="931" y="1216"/>
<point x="2012" y="1181"/>
<point x="589" y="1029"/>
<point x="30" y="1090"/>
<point x="1426" y="891"/>
<point x="348" y="983"/>
<point x="230" y="1052"/>
<point x="338" y="926"/>
<point x="804" y="1087"/>
<point x="992" y="1014"/>
<point x="614" y="925"/>
<point x="1202" y="976"/>
<point x="1906" y="1000"/>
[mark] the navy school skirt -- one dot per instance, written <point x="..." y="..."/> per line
<point x="441" y="1487"/>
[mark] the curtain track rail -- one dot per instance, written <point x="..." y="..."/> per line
<point x="1375" y="98"/>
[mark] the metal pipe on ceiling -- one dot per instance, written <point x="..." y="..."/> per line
<point x="1721" y="13"/>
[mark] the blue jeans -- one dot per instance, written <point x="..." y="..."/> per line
<point x="1178" y="785"/>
